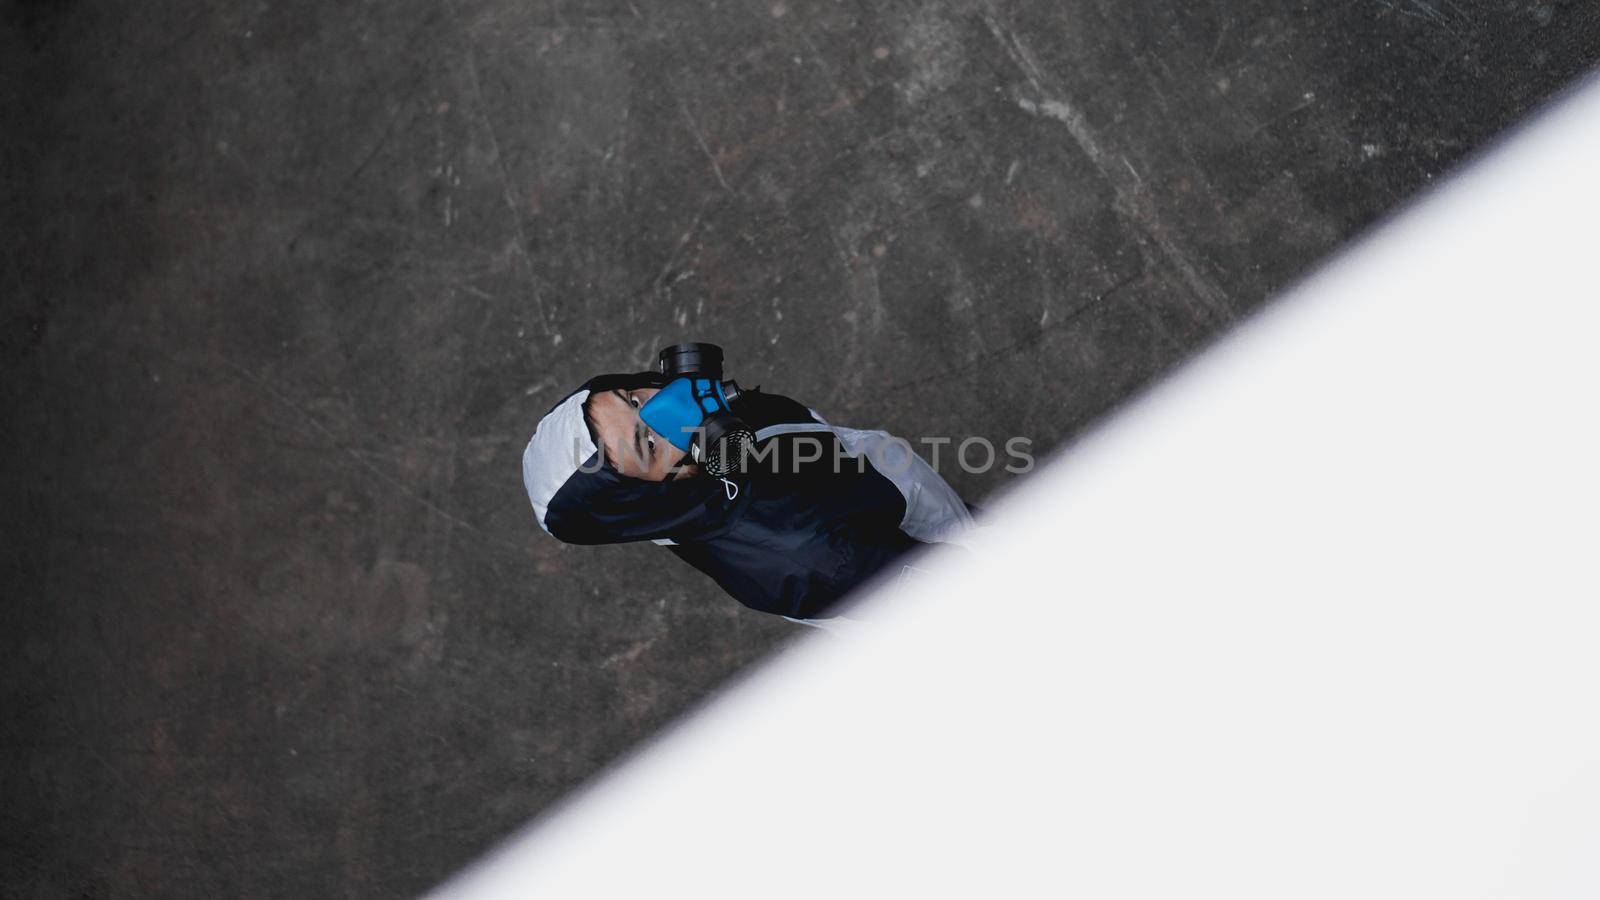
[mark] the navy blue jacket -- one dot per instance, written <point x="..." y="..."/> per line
<point x="798" y="534"/>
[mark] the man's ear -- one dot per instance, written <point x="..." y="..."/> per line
<point x="588" y="421"/>
<point x="604" y="456"/>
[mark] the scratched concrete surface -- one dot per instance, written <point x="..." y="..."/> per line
<point x="285" y="287"/>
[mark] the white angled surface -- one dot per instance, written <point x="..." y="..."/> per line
<point x="1315" y="618"/>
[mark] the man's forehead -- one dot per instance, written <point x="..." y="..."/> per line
<point x="615" y="411"/>
<point x="610" y="410"/>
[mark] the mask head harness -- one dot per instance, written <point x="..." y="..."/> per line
<point x="693" y="411"/>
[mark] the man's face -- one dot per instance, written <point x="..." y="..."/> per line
<point x="632" y="446"/>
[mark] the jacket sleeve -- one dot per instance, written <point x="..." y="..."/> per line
<point x="605" y="507"/>
<point x="810" y="536"/>
<point x="934" y="511"/>
<point x="772" y="582"/>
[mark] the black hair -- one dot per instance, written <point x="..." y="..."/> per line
<point x="588" y="422"/>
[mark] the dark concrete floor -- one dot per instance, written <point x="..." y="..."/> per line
<point x="285" y="287"/>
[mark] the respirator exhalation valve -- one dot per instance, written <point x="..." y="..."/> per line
<point x="692" y="411"/>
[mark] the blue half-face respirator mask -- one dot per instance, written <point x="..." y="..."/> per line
<point x="694" y="410"/>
